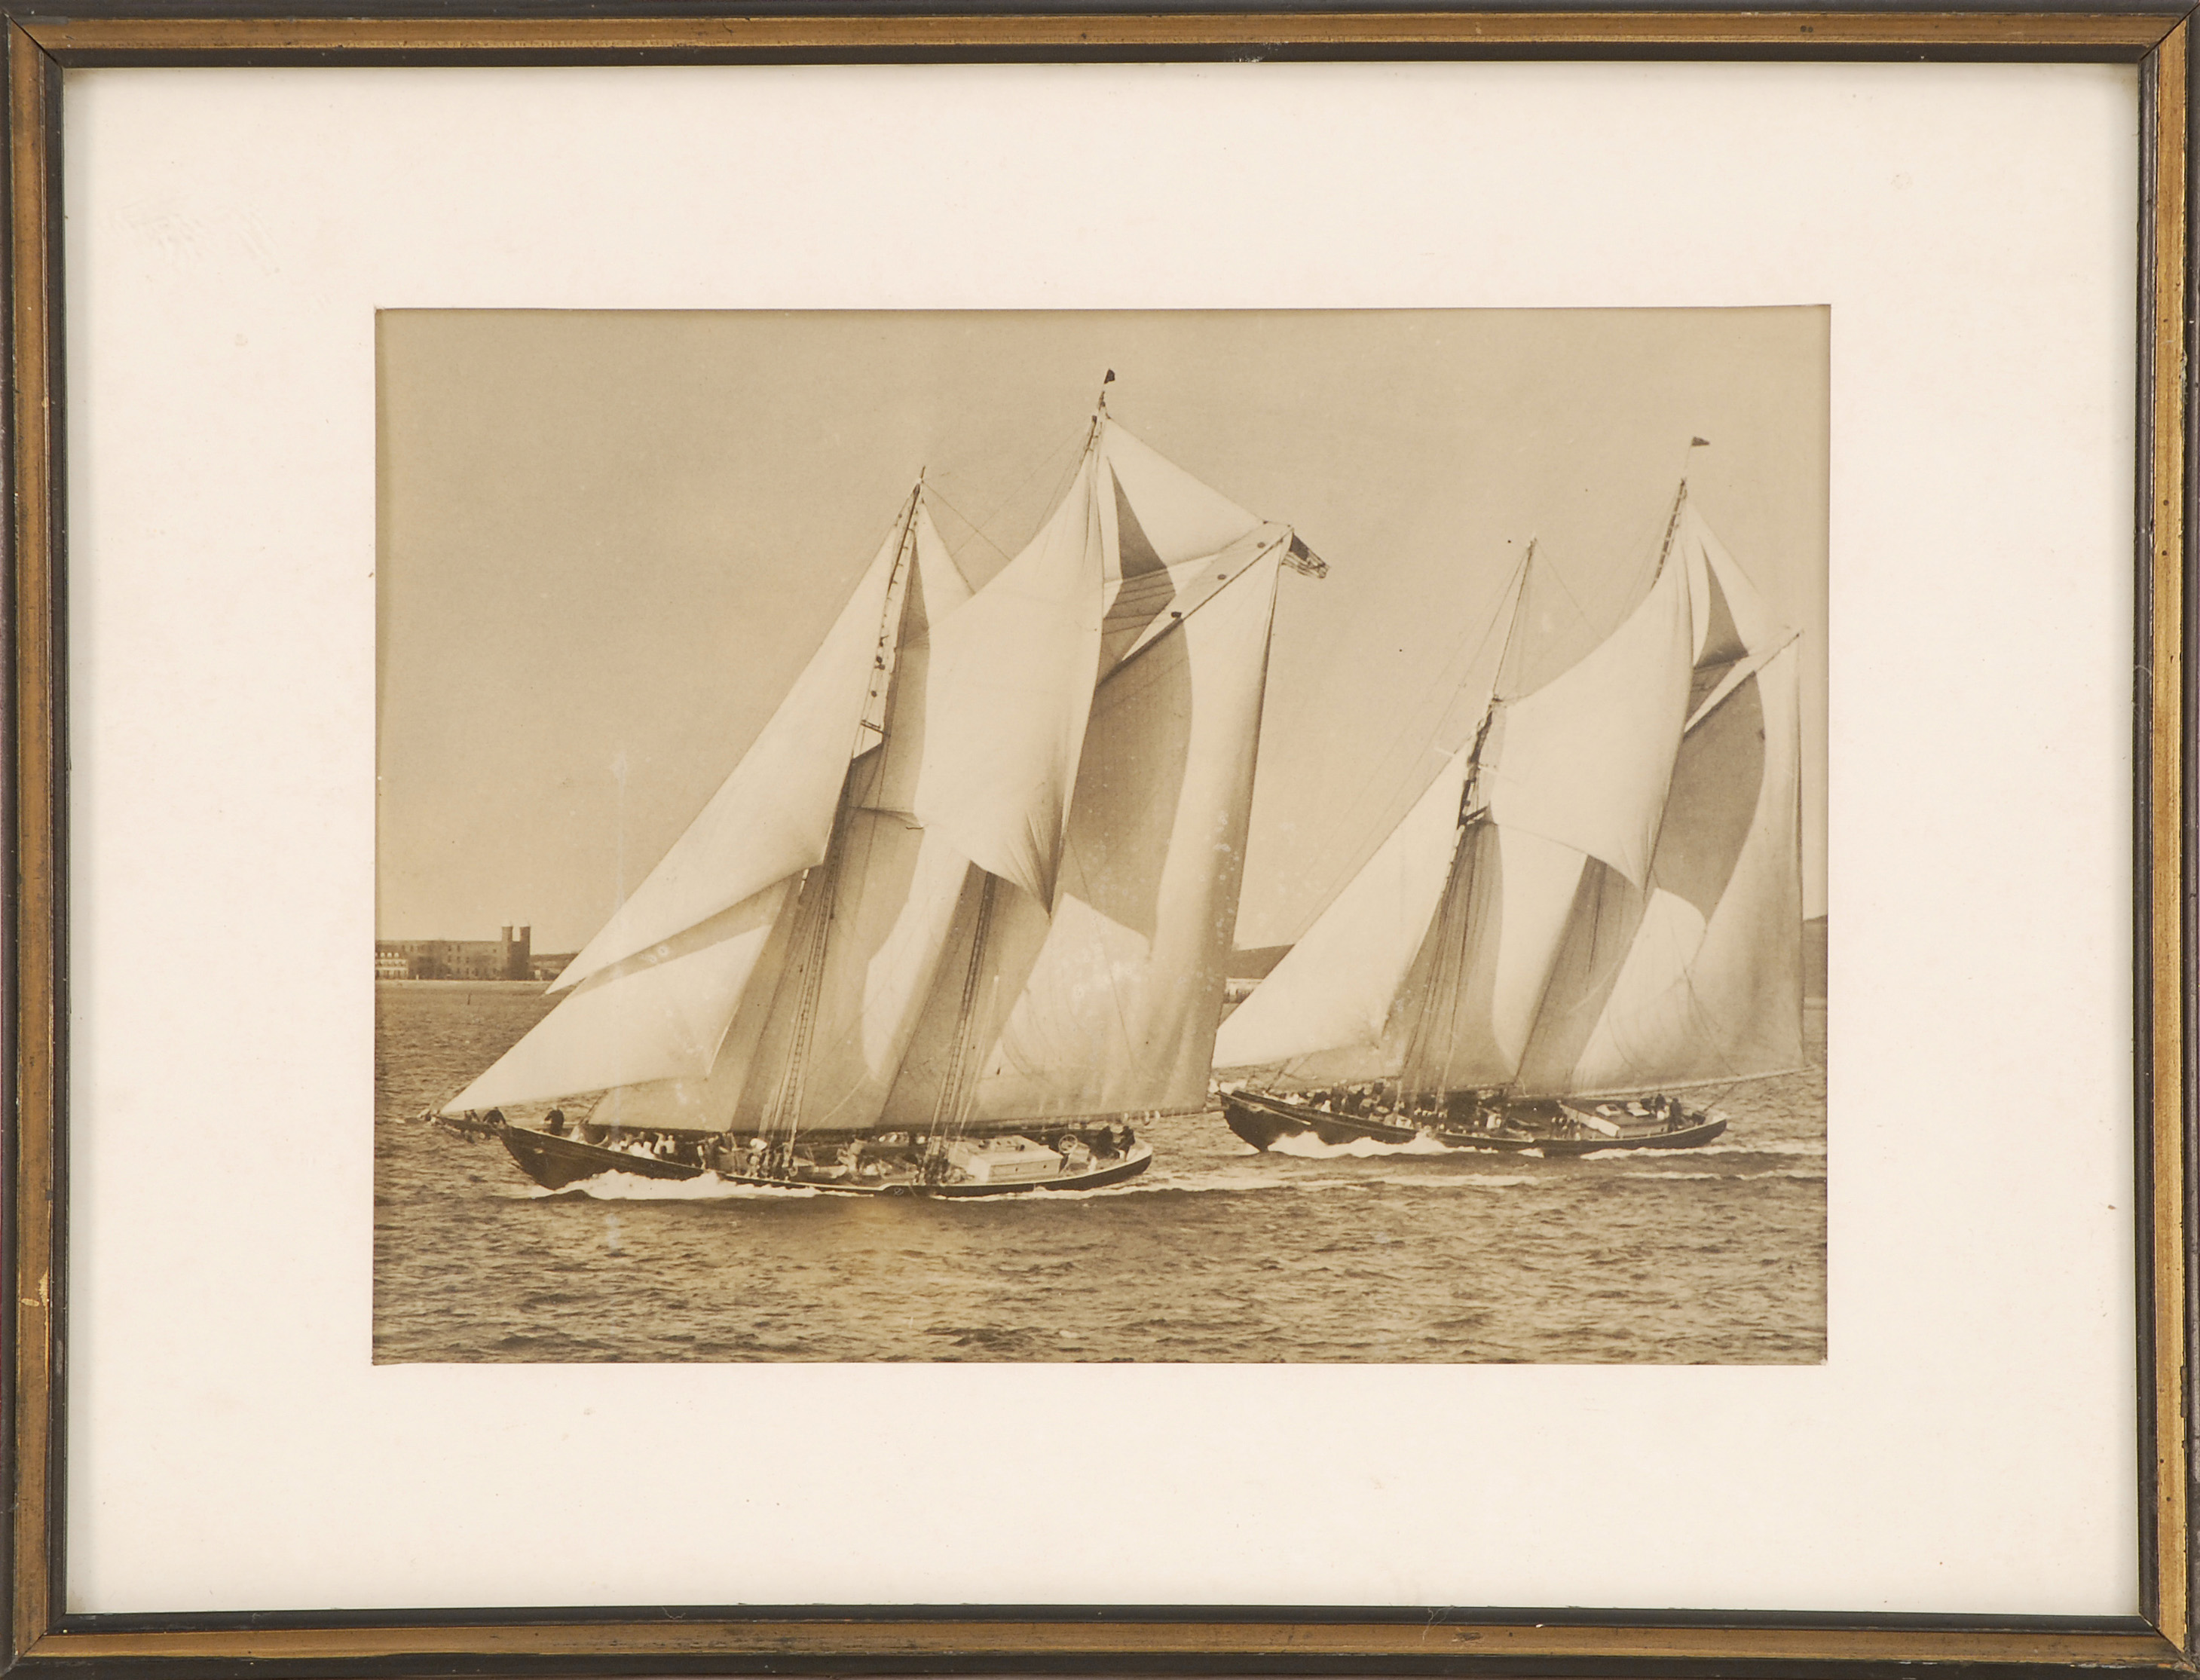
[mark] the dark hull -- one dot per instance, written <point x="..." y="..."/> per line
<point x="557" y="1163"/>
<point x="1685" y="1137"/>
<point x="1264" y="1121"/>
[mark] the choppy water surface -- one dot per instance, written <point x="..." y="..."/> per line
<point x="1712" y="1256"/>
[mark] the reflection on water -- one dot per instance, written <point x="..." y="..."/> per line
<point x="1716" y="1255"/>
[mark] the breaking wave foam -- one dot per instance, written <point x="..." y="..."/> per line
<point x="617" y="1186"/>
<point x="1305" y="1146"/>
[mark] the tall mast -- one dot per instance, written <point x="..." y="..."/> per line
<point x="1512" y="620"/>
<point x="960" y="1084"/>
<point x="1467" y="806"/>
<point x="871" y="724"/>
<point x="1680" y="496"/>
<point x="782" y="1115"/>
<point x="1440" y="998"/>
<point x="1672" y="527"/>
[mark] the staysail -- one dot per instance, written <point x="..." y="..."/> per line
<point x="1621" y="904"/>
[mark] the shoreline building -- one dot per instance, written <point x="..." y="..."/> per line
<point x="506" y="956"/>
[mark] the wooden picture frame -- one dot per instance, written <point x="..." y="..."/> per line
<point x="44" y="1636"/>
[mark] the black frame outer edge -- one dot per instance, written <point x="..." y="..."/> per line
<point x="12" y="910"/>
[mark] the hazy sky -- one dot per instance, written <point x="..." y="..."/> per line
<point x="610" y="541"/>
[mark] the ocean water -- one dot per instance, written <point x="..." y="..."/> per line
<point x="1707" y="1257"/>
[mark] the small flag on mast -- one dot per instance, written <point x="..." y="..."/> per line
<point x="1700" y="443"/>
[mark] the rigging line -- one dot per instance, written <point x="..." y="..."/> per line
<point x="1581" y="883"/>
<point x="1635" y="595"/>
<point x="1453" y="926"/>
<point x="952" y="1113"/>
<point x="1100" y="951"/>
<point x="1519" y="592"/>
<point x="1040" y="464"/>
<point x="852" y="1028"/>
<point x="1580" y="613"/>
<point x="1039" y="461"/>
<point x="1443" y="682"/>
<point x="972" y="526"/>
<point x="1672" y="525"/>
<point x="785" y="1108"/>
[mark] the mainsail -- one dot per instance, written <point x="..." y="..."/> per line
<point x="981" y="865"/>
<point x="1618" y="905"/>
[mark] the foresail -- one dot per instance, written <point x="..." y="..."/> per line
<point x="1334" y="988"/>
<point x="663" y="1015"/>
<point x="1584" y="760"/>
<point x="772" y="817"/>
<point x="1469" y="1000"/>
<point x="671" y="1027"/>
<point x="1349" y="999"/>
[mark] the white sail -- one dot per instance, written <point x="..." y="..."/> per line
<point x="1730" y="619"/>
<point x="1711" y="985"/>
<point x="1695" y="974"/>
<point x="1470" y="1003"/>
<point x="1098" y="993"/>
<point x="848" y="1000"/>
<point x="1135" y="545"/>
<point x="1626" y="914"/>
<point x="1117" y="1008"/>
<point x="1016" y="900"/>
<point x="1016" y="669"/>
<point x="1334" y="988"/>
<point x="772" y="816"/>
<point x="1575" y="776"/>
<point x="1584" y="760"/>
<point x="660" y="1015"/>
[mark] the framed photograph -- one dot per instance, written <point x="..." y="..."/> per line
<point x="1265" y="841"/>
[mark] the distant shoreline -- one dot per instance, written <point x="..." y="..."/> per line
<point x="461" y="985"/>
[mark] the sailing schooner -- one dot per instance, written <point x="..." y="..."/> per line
<point x="957" y="923"/>
<point x="1597" y="902"/>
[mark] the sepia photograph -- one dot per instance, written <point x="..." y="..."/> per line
<point x="1178" y="836"/>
